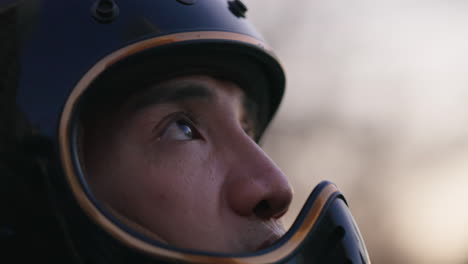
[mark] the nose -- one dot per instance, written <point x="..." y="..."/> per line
<point x="255" y="185"/>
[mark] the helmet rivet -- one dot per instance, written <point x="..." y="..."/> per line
<point x="105" y="11"/>
<point x="237" y="8"/>
<point x="187" y="2"/>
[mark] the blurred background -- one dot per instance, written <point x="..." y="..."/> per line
<point x="377" y="103"/>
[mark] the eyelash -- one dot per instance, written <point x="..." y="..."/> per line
<point x="191" y="121"/>
<point x="177" y="118"/>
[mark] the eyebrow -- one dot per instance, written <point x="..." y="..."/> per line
<point x="173" y="93"/>
<point x="170" y="93"/>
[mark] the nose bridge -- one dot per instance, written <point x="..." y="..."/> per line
<point x="255" y="185"/>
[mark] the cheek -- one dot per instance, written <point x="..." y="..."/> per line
<point x="182" y="177"/>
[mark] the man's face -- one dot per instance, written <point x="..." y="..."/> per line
<point x="178" y="162"/>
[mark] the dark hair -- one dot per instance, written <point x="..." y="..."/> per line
<point x="29" y="230"/>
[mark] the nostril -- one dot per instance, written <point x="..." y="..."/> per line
<point x="263" y="210"/>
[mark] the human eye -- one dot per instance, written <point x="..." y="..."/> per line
<point x="180" y="128"/>
<point x="249" y="129"/>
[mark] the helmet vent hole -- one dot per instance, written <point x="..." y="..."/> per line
<point x="187" y="2"/>
<point x="105" y="11"/>
<point x="237" y="8"/>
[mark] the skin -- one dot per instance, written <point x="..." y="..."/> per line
<point x="185" y="170"/>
